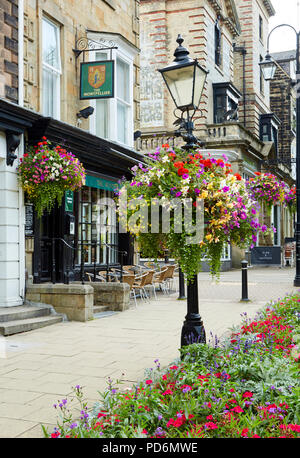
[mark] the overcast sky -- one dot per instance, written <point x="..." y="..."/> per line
<point x="287" y="12"/>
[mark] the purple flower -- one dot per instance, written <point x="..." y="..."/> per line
<point x="178" y="194"/>
<point x="225" y="189"/>
<point x="185" y="176"/>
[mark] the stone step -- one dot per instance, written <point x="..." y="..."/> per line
<point x="22" y="312"/>
<point x="9" y="328"/>
<point x="100" y="308"/>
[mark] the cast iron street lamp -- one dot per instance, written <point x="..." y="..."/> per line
<point x="185" y="80"/>
<point x="268" y="67"/>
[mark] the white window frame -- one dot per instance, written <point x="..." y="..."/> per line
<point x="56" y="71"/>
<point x="278" y="230"/>
<point x="126" y="53"/>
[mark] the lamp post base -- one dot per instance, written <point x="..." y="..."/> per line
<point x="297" y="281"/>
<point x="193" y="329"/>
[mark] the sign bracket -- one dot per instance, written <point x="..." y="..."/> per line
<point x="83" y="45"/>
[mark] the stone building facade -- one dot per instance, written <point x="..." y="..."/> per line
<point x="43" y="43"/>
<point x="283" y="104"/>
<point x="9" y="37"/>
<point x="229" y="38"/>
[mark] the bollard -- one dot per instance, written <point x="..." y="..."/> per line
<point x="181" y="285"/>
<point x="245" y="281"/>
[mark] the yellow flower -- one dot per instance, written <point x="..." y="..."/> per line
<point x="210" y="186"/>
<point x="219" y="203"/>
<point x="230" y="205"/>
<point x="208" y="237"/>
<point x="203" y="195"/>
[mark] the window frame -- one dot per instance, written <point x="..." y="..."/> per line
<point x="261" y="28"/>
<point x="217" y="44"/>
<point x="56" y="72"/>
<point x="116" y="54"/>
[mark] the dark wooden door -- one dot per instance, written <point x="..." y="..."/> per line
<point x="48" y="253"/>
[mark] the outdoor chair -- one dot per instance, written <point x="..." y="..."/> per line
<point x="98" y="277"/>
<point x="152" y="266"/>
<point x="140" y="282"/>
<point x="159" y="279"/>
<point x="288" y="257"/>
<point x="169" y="276"/>
<point x="149" y="282"/>
<point x="130" y="279"/>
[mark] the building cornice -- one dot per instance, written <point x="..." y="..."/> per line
<point x="232" y="20"/>
<point x="269" y="7"/>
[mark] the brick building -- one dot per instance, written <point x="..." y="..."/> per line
<point x="229" y="39"/>
<point x="43" y="44"/>
<point x="9" y="37"/>
<point x="283" y="104"/>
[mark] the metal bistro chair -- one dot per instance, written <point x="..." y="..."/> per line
<point x="140" y="285"/>
<point x="169" y="277"/>
<point x="149" y="282"/>
<point x="159" y="278"/>
<point x="130" y="279"/>
<point x="98" y="277"/>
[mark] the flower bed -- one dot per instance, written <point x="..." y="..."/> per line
<point x="246" y="386"/>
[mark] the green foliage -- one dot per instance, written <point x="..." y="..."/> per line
<point x="245" y="386"/>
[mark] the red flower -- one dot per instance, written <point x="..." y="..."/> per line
<point x="178" y="165"/>
<point x="244" y="432"/>
<point x="181" y="171"/>
<point x="237" y="409"/>
<point x="248" y="394"/>
<point x="238" y="176"/>
<point x="166" y="145"/>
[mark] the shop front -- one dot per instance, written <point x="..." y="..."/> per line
<point x="81" y="235"/>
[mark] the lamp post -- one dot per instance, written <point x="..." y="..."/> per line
<point x="185" y="79"/>
<point x="268" y="67"/>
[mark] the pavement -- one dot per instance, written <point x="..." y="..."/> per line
<point x="39" y="368"/>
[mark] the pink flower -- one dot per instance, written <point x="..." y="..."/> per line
<point x="211" y="425"/>
<point x="148" y="382"/>
<point x="237" y="409"/>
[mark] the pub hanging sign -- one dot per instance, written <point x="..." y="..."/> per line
<point x="97" y="80"/>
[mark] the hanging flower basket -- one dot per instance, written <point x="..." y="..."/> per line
<point x="267" y="189"/>
<point x="46" y="172"/>
<point x="230" y="215"/>
<point x="290" y="200"/>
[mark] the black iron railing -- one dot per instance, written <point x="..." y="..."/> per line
<point x="82" y="249"/>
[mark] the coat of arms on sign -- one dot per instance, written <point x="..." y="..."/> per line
<point x="96" y="76"/>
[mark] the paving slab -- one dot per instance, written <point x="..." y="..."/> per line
<point x="38" y="368"/>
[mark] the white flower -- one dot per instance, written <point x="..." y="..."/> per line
<point x="159" y="173"/>
<point x="185" y="190"/>
<point x="165" y="159"/>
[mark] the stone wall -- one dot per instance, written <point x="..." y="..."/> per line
<point x="282" y="102"/>
<point x="75" y="301"/>
<point x="74" y="19"/>
<point x="9" y="49"/>
<point x="161" y="22"/>
<point x="257" y="100"/>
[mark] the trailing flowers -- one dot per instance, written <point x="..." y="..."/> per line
<point x="230" y="214"/>
<point x="46" y="172"/>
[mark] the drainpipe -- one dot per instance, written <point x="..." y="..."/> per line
<point x="21" y="218"/>
<point x="21" y="53"/>
<point x="243" y="51"/>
